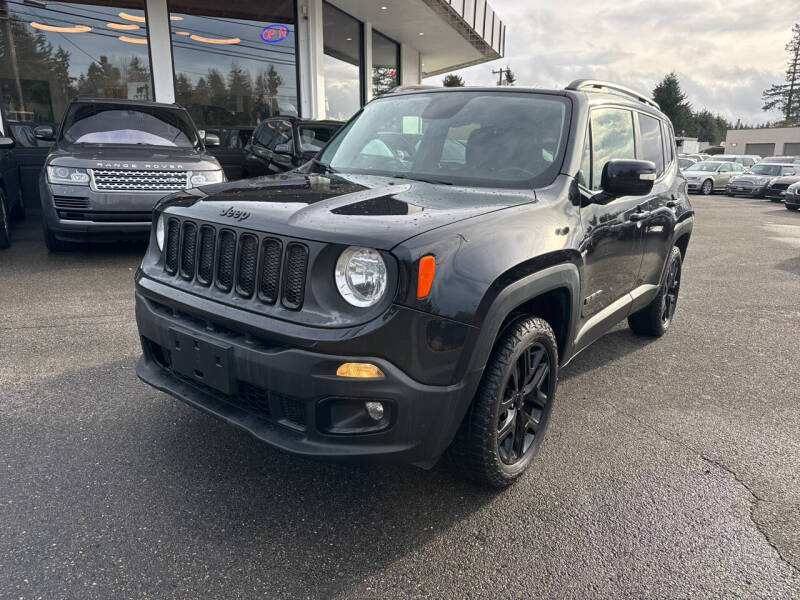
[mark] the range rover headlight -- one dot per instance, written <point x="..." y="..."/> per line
<point x="361" y="276"/>
<point x="160" y="232"/>
<point x="67" y="175"/>
<point x="198" y="178"/>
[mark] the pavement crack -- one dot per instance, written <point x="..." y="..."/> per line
<point x="754" y="497"/>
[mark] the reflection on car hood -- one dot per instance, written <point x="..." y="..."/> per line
<point x="750" y="178"/>
<point x="379" y="212"/>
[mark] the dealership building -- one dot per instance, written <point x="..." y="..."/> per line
<point x="235" y="62"/>
<point x="765" y="141"/>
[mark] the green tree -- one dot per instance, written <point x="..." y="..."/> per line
<point x="453" y="80"/>
<point x="183" y="90"/>
<point x="785" y="97"/>
<point x="217" y="92"/>
<point x="672" y="100"/>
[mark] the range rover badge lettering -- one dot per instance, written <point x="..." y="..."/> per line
<point x="231" y="212"/>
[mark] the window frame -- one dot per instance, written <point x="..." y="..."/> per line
<point x="398" y="58"/>
<point x="640" y="146"/>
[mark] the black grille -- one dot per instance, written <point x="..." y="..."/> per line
<point x="293" y="410"/>
<point x="253" y="399"/>
<point x="205" y="268"/>
<point x="173" y="242"/>
<point x="246" y="273"/>
<point x="780" y="186"/>
<point x="69" y="202"/>
<point x="248" y="265"/>
<point x="294" y="287"/>
<point x="225" y="259"/>
<point x="271" y="252"/>
<point x="188" y="250"/>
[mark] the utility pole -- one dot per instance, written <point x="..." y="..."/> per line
<point x="501" y="73"/>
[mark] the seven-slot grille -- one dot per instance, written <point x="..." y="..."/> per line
<point x="242" y="264"/>
<point x="119" y="180"/>
<point x="780" y="186"/>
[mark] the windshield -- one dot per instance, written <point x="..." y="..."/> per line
<point x="115" y="124"/>
<point x="476" y="138"/>
<point x="704" y="166"/>
<point x="766" y="170"/>
<point x="313" y="137"/>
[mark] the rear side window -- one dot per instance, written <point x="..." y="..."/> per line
<point x="612" y="137"/>
<point x="652" y="141"/>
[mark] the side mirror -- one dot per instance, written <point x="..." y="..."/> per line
<point x="211" y="139"/>
<point x="6" y="143"/>
<point x="45" y="133"/>
<point x="628" y="177"/>
<point x="283" y="149"/>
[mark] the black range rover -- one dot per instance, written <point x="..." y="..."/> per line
<point x="419" y="285"/>
<point x="112" y="161"/>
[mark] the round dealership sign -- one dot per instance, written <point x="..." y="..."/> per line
<point x="273" y="34"/>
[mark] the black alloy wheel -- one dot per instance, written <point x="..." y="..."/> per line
<point x="5" y="224"/>
<point x="655" y="318"/>
<point x="672" y="286"/>
<point x="506" y="422"/>
<point x="525" y="404"/>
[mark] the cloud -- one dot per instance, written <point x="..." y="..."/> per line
<point x="725" y="52"/>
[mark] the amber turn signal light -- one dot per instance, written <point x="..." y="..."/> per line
<point x="427" y="268"/>
<point x="359" y="371"/>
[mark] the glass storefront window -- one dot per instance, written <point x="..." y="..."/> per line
<point x="51" y="52"/>
<point x="385" y="64"/>
<point x="342" y="63"/>
<point x="234" y="61"/>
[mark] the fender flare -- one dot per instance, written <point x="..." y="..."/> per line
<point x="563" y="275"/>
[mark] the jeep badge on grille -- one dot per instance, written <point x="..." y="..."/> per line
<point x="231" y="212"/>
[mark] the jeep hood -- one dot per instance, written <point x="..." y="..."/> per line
<point x="379" y="212"/>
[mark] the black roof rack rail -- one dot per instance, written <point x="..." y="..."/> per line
<point x="593" y="85"/>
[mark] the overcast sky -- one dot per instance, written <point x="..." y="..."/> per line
<point x="725" y="52"/>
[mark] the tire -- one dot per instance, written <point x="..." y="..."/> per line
<point x="708" y="187"/>
<point x="504" y="425"/>
<point x="729" y="194"/>
<point x="655" y="318"/>
<point x="19" y="213"/>
<point x="53" y="243"/>
<point x="5" y="224"/>
<point x="792" y="208"/>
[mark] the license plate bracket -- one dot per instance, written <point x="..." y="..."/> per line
<point x="203" y="360"/>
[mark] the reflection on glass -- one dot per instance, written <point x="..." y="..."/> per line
<point x="342" y="63"/>
<point x="52" y="52"/>
<point x="385" y="71"/>
<point x="234" y="65"/>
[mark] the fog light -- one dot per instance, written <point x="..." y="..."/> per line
<point x="374" y="410"/>
<point x="359" y="371"/>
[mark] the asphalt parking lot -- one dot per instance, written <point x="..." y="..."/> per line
<point x="671" y="467"/>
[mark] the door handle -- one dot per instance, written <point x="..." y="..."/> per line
<point x="639" y="216"/>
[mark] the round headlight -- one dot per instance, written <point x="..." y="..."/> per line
<point x="160" y="232"/>
<point x="361" y="276"/>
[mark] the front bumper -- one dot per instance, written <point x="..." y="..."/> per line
<point x="776" y="195"/>
<point x="746" y="189"/>
<point x="84" y="214"/>
<point x="280" y="392"/>
<point x="792" y="201"/>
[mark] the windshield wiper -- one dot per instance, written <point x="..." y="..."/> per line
<point x="326" y="168"/>
<point x="423" y="179"/>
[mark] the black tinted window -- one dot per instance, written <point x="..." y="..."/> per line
<point x="652" y="144"/>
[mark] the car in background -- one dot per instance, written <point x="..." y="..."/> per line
<point x="777" y="188"/>
<point x="754" y="183"/>
<point x="792" y="198"/>
<point x="694" y="157"/>
<point x="11" y="203"/>
<point x="113" y="160"/>
<point x="284" y="143"/>
<point x="709" y="176"/>
<point x="685" y="162"/>
<point x="231" y="149"/>
<point x="783" y="160"/>
<point x="746" y="160"/>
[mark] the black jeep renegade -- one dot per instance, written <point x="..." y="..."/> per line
<point x="418" y="285"/>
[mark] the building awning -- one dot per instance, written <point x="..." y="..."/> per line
<point x="449" y="34"/>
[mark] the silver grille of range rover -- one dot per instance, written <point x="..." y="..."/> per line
<point x="118" y="180"/>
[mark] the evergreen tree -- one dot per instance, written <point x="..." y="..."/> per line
<point x="453" y="80"/>
<point x="785" y="97"/>
<point x="511" y="79"/>
<point x="183" y="90"/>
<point x="217" y="92"/>
<point x="672" y="100"/>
